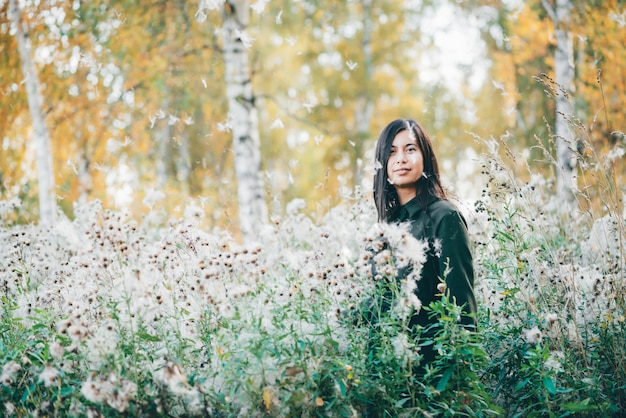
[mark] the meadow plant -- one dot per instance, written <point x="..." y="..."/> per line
<point x="104" y="315"/>
<point x="552" y="287"/>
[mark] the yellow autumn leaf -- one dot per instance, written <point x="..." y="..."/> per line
<point x="267" y="398"/>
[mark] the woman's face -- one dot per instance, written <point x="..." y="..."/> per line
<point x="406" y="163"/>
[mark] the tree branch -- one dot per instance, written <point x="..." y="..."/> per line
<point x="550" y="10"/>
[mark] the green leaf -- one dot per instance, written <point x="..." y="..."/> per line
<point x="66" y="391"/>
<point x="579" y="406"/>
<point x="148" y="337"/>
<point x="401" y="402"/>
<point x="549" y="384"/>
<point x="522" y="383"/>
<point x="27" y="392"/>
<point x="444" y="379"/>
<point x="345" y="411"/>
<point x="342" y="387"/>
<point x="505" y="236"/>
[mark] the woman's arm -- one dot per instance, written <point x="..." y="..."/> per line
<point x="455" y="263"/>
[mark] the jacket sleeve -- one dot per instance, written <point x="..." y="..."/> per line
<point x="456" y="264"/>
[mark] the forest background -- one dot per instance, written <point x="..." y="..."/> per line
<point x="169" y="132"/>
<point x="134" y="95"/>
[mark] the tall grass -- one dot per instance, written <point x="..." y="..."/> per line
<point x="553" y="285"/>
<point x="104" y="315"/>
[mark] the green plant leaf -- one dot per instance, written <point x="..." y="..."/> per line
<point x="522" y="383"/>
<point x="549" y="384"/>
<point x="342" y="387"/>
<point x="578" y="406"/>
<point x="505" y="236"/>
<point x="401" y="402"/>
<point x="444" y="379"/>
<point x="66" y="391"/>
<point x="344" y="411"/>
<point x="148" y="337"/>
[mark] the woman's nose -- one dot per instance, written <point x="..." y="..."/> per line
<point x="400" y="156"/>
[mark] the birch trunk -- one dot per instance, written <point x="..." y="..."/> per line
<point x="243" y="114"/>
<point x="365" y="104"/>
<point x="82" y="165"/>
<point x="85" y="181"/>
<point x="564" y="77"/>
<point x="183" y="163"/>
<point x="45" y="172"/>
<point x="163" y="136"/>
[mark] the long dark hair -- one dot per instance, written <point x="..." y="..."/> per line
<point x="429" y="185"/>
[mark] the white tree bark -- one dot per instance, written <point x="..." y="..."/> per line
<point x="244" y="122"/>
<point x="45" y="171"/>
<point x="365" y="104"/>
<point x="163" y="136"/>
<point x="564" y="77"/>
<point x="85" y="181"/>
<point x="183" y="163"/>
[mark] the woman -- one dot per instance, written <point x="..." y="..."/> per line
<point x="407" y="188"/>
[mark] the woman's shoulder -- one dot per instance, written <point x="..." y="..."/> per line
<point x="443" y="208"/>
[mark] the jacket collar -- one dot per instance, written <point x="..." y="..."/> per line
<point x="409" y="209"/>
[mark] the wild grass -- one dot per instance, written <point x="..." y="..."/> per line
<point x="105" y="315"/>
<point x="553" y="286"/>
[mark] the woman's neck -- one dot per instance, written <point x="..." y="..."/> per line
<point x="405" y="194"/>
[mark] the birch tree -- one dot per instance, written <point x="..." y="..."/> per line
<point x="162" y="138"/>
<point x="560" y="14"/>
<point x="365" y="104"/>
<point x="45" y="172"/>
<point x="243" y="118"/>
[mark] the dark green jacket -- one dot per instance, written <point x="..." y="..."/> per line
<point x="449" y="248"/>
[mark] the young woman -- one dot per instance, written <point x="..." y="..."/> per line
<point x="407" y="188"/>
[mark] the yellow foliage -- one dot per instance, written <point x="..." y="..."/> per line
<point x="267" y="399"/>
<point x="157" y="79"/>
<point x="530" y="37"/>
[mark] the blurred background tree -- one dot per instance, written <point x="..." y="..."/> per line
<point x="134" y="95"/>
<point x="524" y="51"/>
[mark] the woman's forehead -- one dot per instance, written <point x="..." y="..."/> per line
<point x="404" y="137"/>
